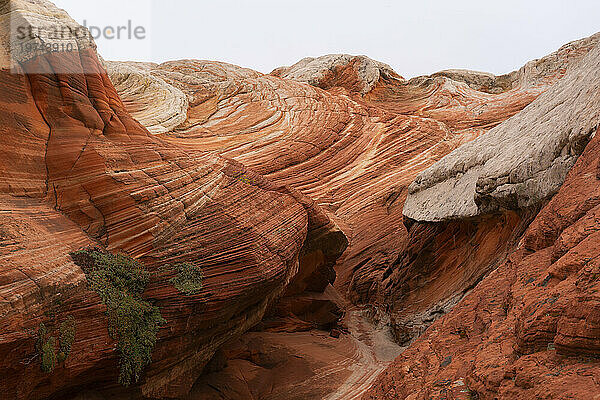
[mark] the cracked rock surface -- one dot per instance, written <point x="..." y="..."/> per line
<point x="519" y="163"/>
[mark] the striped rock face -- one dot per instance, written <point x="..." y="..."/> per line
<point x="78" y="170"/>
<point x="530" y="329"/>
<point x="266" y="182"/>
<point x="353" y="135"/>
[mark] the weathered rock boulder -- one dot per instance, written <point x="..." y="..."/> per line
<point x="521" y="162"/>
<point x="357" y="74"/>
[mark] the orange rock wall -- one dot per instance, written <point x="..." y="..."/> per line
<point x="529" y="330"/>
<point x="78" y="171"/>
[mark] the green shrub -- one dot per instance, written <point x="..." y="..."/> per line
<point x="120" y="281"/>
<point x="48" y="354"/>
<point x="67" y="336"/>
<point x="45" y="347"/>
<point x="136" y="324"/>
<point x="189" y="278"/>
<point x="41" y="336"/>
<point x="109" y="273"/>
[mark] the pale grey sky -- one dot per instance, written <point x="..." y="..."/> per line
<point x="415" y="37"/>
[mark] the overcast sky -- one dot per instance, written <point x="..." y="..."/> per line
<point x="415" y="37"/>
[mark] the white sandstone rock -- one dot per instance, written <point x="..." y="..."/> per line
<point x="519" y="163"/>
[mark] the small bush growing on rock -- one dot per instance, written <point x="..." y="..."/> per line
<point x="48" y="354"/>
<point x="67" y="336"/>
<point x="189" y="279"/>
<point x="46" y="344"/>
<point x="41" y="336"/>
<point x="135" y="323"/>
<point x="109" y="273"/>
<point x="45" y="347"/>
<point x="120" y="281"/>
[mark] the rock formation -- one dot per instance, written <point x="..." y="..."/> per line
<point x="355" y="139"/>
<point x="359" y="74"/>
<point x="519" y="163"/>
<point x="78" y="170"/>
<point x="267" y="182"/>
<point x="529" y="330"/>
<point x="157" y="105"/>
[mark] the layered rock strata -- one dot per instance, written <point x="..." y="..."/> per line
<point x="351" y="134"/>
<point x="530" y="328"/>
<point x="259" y="179"/>
<point x="78" y="170"/>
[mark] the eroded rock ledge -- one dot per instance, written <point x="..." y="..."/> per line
<point x="521" y="162"/>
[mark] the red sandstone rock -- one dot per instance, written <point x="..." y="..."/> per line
<point x="355" y="152"/>
<point x="78" y="170"/>
<point x="281" y="366"/>
<point x="354" y="148"/>
<point x="357" y="74"/>
<point x="531" y="328"/>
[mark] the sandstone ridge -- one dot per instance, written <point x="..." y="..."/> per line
<point x="326" y="250"/>
<point x="358" y="74"/>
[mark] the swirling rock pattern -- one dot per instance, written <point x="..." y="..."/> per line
<point x="157" y="105"/>
<point x="355" y="147"/>
<point x="326" y="144"/>
<point x="353" y="139"/>
<point x="78" y="170"/>
<point x="259" y="179"/>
